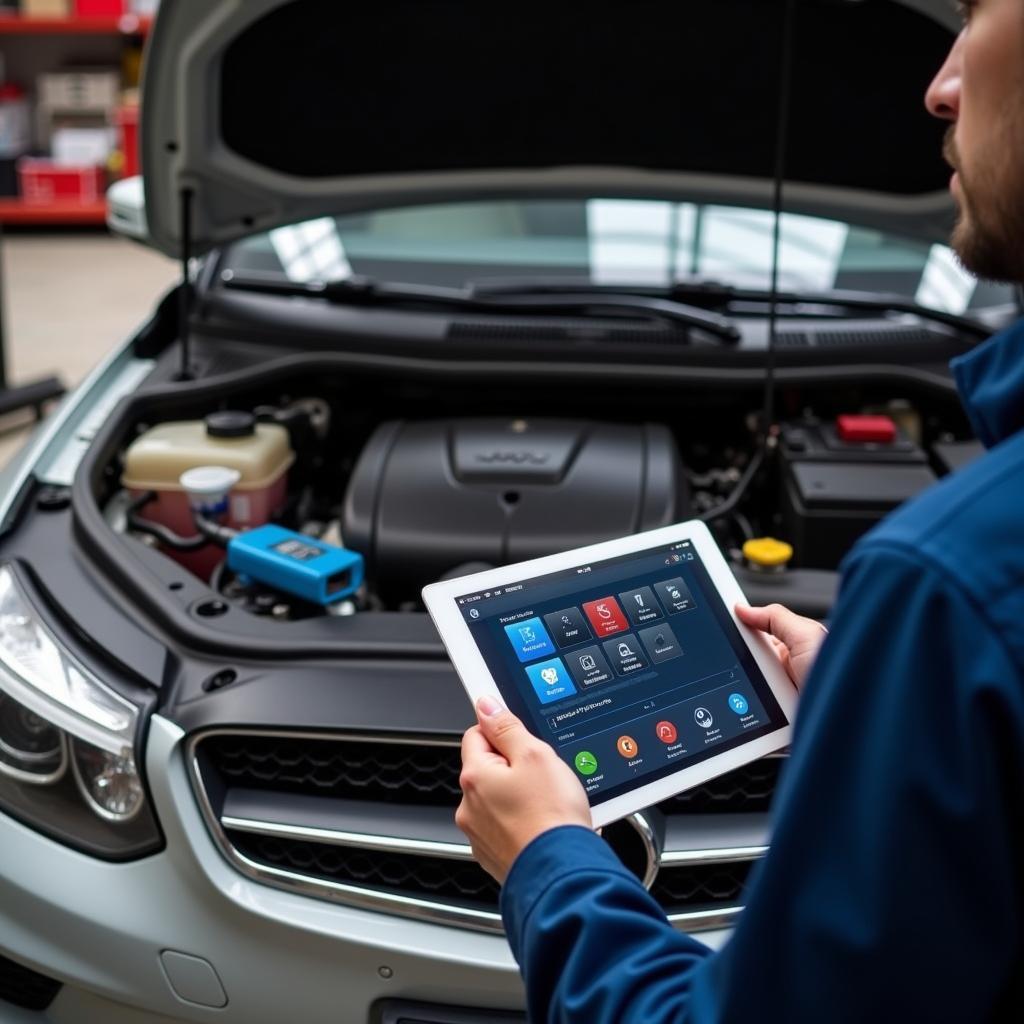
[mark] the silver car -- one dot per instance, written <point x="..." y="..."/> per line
<point x="462" y="284"/>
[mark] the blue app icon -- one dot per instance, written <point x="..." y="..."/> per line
<point x="738" y="703"/>
<point x="529" y="639"/>
<point x="550" y="680"/>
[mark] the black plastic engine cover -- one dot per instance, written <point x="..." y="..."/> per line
<point x="430" y="496"/>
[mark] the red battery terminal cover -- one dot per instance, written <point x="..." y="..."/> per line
<point x="855" y="429"/>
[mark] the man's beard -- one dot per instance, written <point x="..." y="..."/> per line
<point x="989" y="234"/>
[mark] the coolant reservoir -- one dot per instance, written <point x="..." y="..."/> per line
<point x="260" y="452"/>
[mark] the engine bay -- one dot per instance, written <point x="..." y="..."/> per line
<point x="333" y="497"/>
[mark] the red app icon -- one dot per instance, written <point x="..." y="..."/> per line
<point x="605" y="616"/>
<point x="666" y="732"/>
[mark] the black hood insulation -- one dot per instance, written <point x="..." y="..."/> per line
<point x="321" y="89"/>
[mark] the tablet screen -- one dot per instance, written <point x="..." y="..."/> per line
<point x="631" y="668"/>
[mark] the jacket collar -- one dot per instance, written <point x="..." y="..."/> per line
<point x="991" y="383"/>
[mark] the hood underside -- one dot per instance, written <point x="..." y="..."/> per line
<point x="273" y="111"/>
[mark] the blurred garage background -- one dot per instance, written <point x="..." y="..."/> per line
<point x="69" y="75"/>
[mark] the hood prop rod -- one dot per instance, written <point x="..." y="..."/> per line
<point x="786" y="62"/>
<point x="185" y="292"/>
<point x="768" y="441"/>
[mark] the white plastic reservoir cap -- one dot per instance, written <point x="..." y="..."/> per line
<point x="209" y="480"/>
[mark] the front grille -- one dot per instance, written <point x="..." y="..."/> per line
<point x="679" y="889"/>
<point x="369" y="821"/>
<point x="435" y="878"/>
<point x="24" y="987"/>
<point x="421" y="774"/>
<point x="746" y="790"/>
<point x="354" y="769"/>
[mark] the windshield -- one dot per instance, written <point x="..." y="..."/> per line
<point x="612" y="241"/>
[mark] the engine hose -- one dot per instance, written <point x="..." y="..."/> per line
<point x="212" y="531"/>
<point x="737" y="493"/>
<point x="162" y="533"/>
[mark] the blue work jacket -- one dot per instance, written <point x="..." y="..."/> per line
<point x="893" y="888"/>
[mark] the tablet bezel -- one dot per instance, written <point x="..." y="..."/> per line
<point x="441" y="602"/>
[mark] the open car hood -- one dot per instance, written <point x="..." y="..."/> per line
<point x="274" y="111"/>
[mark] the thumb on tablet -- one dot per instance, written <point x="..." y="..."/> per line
<point x="503" y="730"/>
<point x="799" y="636"/>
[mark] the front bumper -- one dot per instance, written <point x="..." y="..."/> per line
<point x="101" y="928"/>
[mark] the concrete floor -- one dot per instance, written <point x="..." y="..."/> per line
<point x="68" y="299"/>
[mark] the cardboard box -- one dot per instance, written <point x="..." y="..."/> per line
<point x="79" y="90"/>
<point x="81" y="147"/>
<point x="75" y="98"/>
<point x="46" y="8"/>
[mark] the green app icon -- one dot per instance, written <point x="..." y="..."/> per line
<point x="586" y="763"/>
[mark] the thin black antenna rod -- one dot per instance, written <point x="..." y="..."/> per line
<point x="787" y="55"/>
<point x="185" y="292"/>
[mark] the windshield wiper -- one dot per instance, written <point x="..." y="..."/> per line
<point x="711" y="294"/>
<point x="362" y="291"/>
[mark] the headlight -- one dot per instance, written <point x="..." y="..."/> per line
<point x="67" y="740"/>
<point x="31" y="750"/>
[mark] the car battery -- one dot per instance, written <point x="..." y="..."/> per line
<point x="261" y="453"/>
<point x="840" y="478"/>
<point x="952" y="456"/>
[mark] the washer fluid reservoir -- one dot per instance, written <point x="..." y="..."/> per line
<point x="261" y="453"/>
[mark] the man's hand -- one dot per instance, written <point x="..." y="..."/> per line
<point x="514" y="787"/>
<point x="796" y="639"/>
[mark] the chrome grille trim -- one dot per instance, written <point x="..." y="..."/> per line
<point x="451" y="915"/>
<point x="461" y="851"/>
<point x="370" y="899"/>
<point x="725" y="855"/>
<point x="360" y="840"/>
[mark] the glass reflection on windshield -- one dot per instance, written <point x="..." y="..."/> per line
<point x="612" y="242"/>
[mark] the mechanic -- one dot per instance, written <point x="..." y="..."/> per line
<point x="892" y="890"/>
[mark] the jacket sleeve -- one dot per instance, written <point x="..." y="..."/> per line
<point x="891" y="888"/>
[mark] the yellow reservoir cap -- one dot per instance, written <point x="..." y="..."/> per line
<point x="767" y="552"/>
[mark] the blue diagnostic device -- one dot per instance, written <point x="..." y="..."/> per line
<point x="297" y="564"/>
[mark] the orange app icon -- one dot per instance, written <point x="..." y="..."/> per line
<point x="666" y="732"/>
<point x="627" y="746"/>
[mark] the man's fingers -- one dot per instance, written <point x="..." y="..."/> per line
<point x="756" y="617"/>
<point x="476" y="748"/>
<point x="503" y="730"/>
<point x="779" y="621"/>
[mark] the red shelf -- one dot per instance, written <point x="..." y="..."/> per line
<point x="17" y="211"/>
<point x="126" y="24"/>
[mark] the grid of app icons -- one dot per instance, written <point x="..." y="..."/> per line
<point x="573" y="631"/>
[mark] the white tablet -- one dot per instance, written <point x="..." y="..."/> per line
<point x="627" y="658"/>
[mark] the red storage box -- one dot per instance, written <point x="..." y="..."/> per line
<point x="99" y="8"/>
<point x="43" y="181"/>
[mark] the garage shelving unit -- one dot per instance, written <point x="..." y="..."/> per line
<point x="14" y="210"/>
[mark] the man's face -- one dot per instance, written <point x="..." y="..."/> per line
<point x="980" y="90"/>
